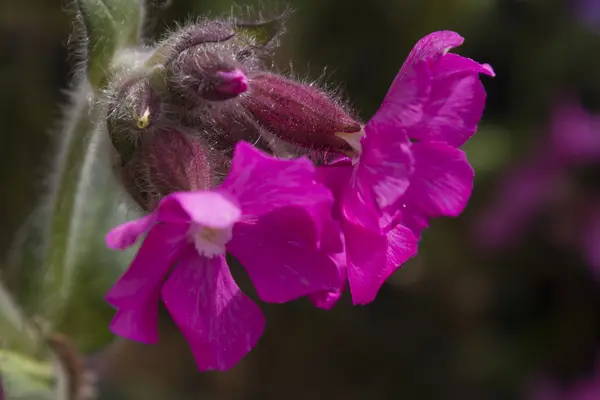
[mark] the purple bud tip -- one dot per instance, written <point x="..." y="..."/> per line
<point x="232" y="82"/>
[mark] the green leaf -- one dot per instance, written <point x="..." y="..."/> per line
<point x="110" y="25"/>
<point x="24" y="378"/>
<point x="86" y="202"/>
<point x="15" y="331"/>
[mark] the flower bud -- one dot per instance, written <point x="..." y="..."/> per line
<point x="232" y="82"/>
<point x="212" y="31"/>
<point x="135" y="108"/>
<point x="223" y="127"/>
<point x="298" y="113"/>
<point x="208" y="73"/>
<point x="208" y="31"/>
<point x="168" y="161"/>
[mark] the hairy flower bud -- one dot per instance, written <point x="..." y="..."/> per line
<point x="207" y="73"/>
<point x="134" y="110"/>
<point x="211" y="31"/>
<point x="231" y="83"/>
<point x="299" y="113"/>
<point x="169" y="161"/>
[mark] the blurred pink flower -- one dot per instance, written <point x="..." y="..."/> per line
<point x="574" y="135"/>
<point x="527" y="190"/>
<point x="588" y="12"/>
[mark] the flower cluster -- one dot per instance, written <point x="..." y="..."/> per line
<point x="298" y="229"/>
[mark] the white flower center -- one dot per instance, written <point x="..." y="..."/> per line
<point x="210" y="242"/>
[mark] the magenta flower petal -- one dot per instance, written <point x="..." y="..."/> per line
<point x="385" y="165"/>
<point x="336" y="176"/>
<point x="404" y="102"/>
<point x="261" y="183"/>
<point x="326" y="300"/>
<point x="436" y="96"/>
<point x="403" y="105"/>
<point x="371" y="255"/>
<point x="434" y="44"/>
<point x="279" y="252"/>
<point x="125" y="235"/>
<point x="451" y="64"/>
<point x="367" y="262"/>
<point x="139" y="324"/>
<point x="144" y="277"/>
<point x="218" y="320"/>
<point x="402" y="245"/>
<point x="454" y="112"/>
<point x="416" y="222"/>
<point x="456" y="103"/>
<point x="441" y="184"/>
<point x="209" y="209"/>
<point x="377" y="181"/>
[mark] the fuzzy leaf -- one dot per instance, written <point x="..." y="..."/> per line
<point x="110" y="25"/>
<point x="85" y="203"/>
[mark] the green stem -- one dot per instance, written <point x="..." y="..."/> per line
<point x="66" y="203"/>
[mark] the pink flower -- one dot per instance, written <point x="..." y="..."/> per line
<point x="525" y="191"/>
<point x="409" y="168"/>
<point x="270" y="214"/>
<point x="588" y="13"/>
<point x="572" y="141"/>
<point x="574" y="138"/>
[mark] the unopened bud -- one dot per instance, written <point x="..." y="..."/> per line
<point x="298" y="113"/>
<point x="133" y="110"/>
<point x="209" y="73"/>
<point x="167" y="162"/>
<point x="232" y="82"/>
<point x="210" y="31"/>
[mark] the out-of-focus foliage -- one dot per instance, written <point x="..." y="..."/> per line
<point x="459" y="321"/>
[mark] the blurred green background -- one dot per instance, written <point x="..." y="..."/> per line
<point x="461" y="320"/>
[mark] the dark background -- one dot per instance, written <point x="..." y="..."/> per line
<point x="460" y="321"/>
